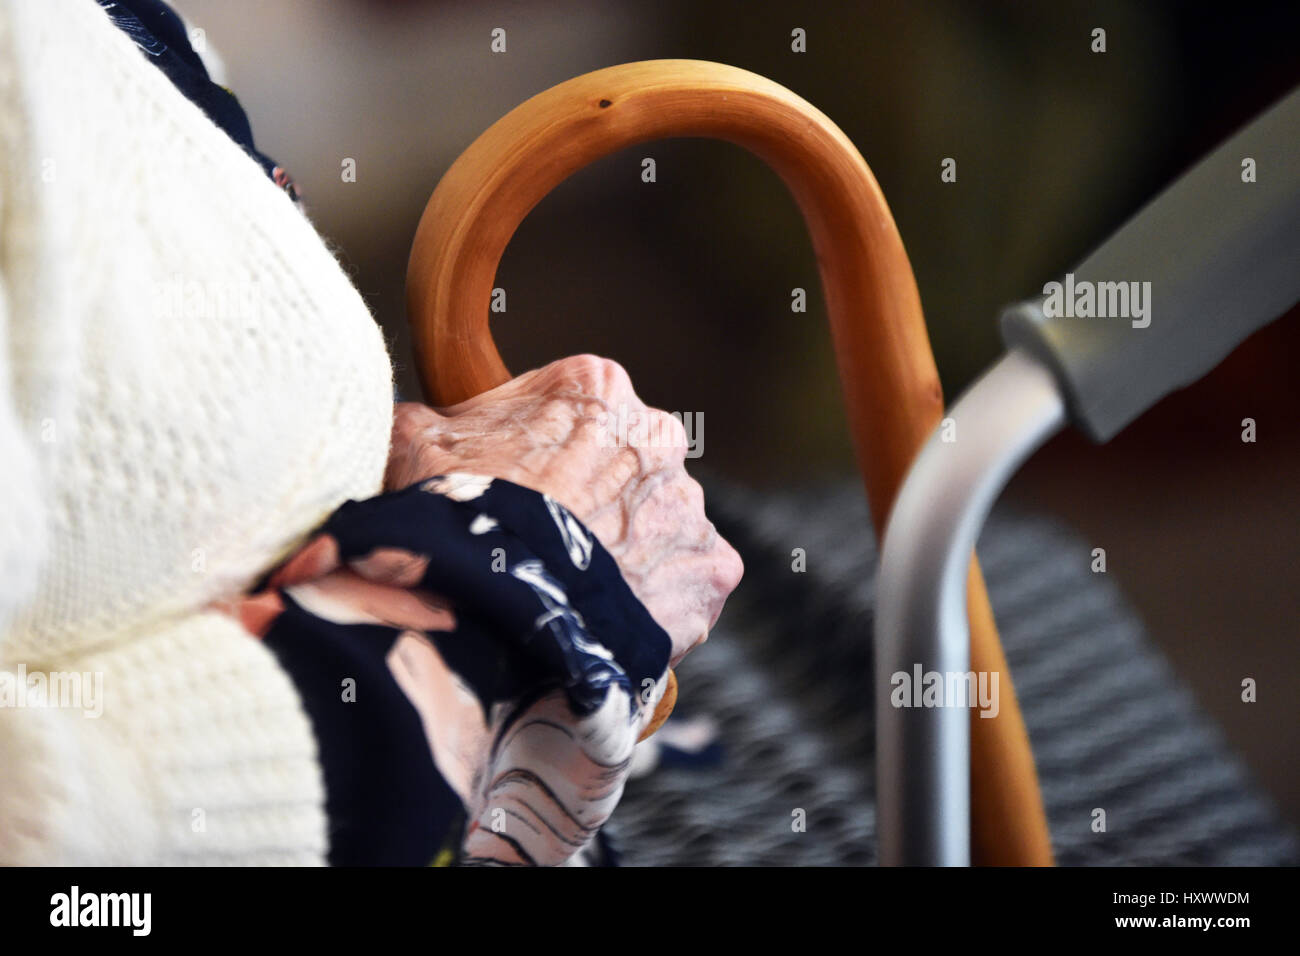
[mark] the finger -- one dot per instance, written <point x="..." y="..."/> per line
<point x="345" y="597"/>
<point x="314" y="560"/>
<point x="395" y="567"/>
<point x="258" y="613"/>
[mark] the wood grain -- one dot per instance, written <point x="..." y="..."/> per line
<point x="887" y="370"/>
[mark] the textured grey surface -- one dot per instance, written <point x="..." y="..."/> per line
<point x="785" y="675"/>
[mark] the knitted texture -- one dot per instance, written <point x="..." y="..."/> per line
<point x="189" y="383"/>
<point x="200" y="754"/>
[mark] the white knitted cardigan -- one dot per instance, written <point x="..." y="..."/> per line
<point x="188" y="384"/>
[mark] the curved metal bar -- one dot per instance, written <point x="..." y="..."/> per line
<point x="923" y="752"/>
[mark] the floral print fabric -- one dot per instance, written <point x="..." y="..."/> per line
<point x="486" y="618"/>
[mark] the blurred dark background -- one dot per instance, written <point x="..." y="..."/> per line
<point x="687" y="280"/>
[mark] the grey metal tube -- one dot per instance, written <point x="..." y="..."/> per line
<point x="1219" y="252"/>
<point x="923" y="753"/>
<point x="1209" y="261"/>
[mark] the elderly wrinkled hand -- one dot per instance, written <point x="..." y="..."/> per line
<point x="554" y="430"/>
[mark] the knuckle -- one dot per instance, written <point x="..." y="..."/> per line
<point x="726" y="566"/>
<point x="729" y="567"/>
<point x="592" y="374"/>
<point x="670" y="431"/>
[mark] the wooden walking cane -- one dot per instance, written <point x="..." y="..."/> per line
<point x="891" y="387"/>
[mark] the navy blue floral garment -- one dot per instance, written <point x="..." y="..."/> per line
<point x="518" y="564"/>
<point x="475" y="667"/>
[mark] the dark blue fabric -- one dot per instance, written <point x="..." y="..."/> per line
<point x="539" y="604"/>
<point x="161" y="35"/>
<point x="386" y="803"/>
<point x="483" y="573"/>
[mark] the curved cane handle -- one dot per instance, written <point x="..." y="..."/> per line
<point x="891" y="387"/>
